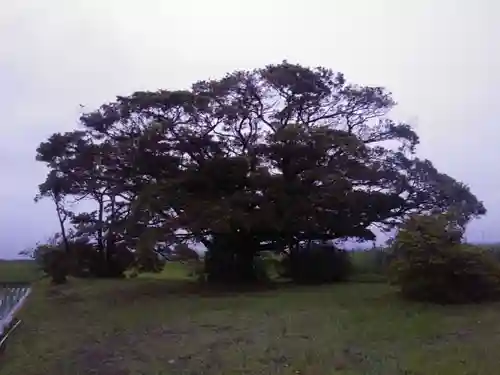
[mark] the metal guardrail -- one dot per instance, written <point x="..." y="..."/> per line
<point x="11" y="300"/>
<point x="6" y="334"/>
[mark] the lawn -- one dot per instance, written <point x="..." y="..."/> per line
<point x="165" y="326"/>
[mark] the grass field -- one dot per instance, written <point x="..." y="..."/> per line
<point x="18" y="271"/>
<point x="163" y="325"/>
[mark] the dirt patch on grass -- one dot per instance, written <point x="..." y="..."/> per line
<point x="210" y="346"/>
<point x="184" y="348"/>
<point x="94" y="360"/>
<point x="111" y="356"/>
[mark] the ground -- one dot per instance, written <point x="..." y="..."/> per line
<point x="162" y="325"/>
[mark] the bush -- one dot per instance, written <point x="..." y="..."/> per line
<point x="84" y="255"/>
<point x="431" y="264"/>
<point x="84" y="259"/>
<point x="88" y="261"/>
<point x="113" y="262"/>
<point x="316" y="264"/>
<point x="55" y="262"/>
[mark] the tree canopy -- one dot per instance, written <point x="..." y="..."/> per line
<point x="261" y="159"/>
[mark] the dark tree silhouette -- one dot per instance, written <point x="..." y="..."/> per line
<point x="263" y="159"/>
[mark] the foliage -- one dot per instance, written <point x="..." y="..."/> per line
<point x="257" y="160"/>
<point x="317" y="263"/>
<point x="430" y="263"/>
<point x="56" y="263"/>
<point x="83" y="259"/>
<point x="52" y="258"/>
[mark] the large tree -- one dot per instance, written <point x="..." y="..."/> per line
<point x="258" y="159"/>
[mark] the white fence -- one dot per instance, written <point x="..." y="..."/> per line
<point x="11" y="300"/>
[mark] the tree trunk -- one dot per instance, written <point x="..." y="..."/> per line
<point x="61" y="216"/>
<point x="244" y="268"/>
<point x="63" y="229"/>
<point x="230" y="259"/>
<point x="100" y="237"/>
<point x="59" y="279"/>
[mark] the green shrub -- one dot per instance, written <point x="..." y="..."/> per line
<point x="84" y="255"/>
<point x="430" y="263"/>
<point x="316" y="264"/>
<point x="55" y="262"/>
<point x="88" y="261"/>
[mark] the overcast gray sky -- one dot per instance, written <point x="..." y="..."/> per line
<point x="440" y="58"/>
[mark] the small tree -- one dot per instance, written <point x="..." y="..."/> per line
<point x="52" y="258"/>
